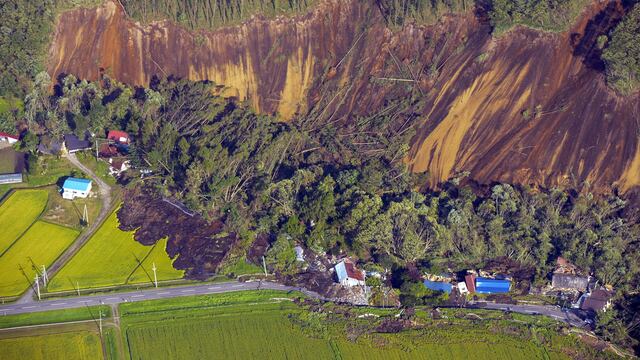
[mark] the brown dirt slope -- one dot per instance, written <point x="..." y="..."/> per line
<point x="529" y="107"/>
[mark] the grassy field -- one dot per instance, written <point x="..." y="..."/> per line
<point x="69" y="212"/>
<point x="67" y="346"/>
<point x="50" y="171"/>
<point x="112" y="257"/>
<point x="55" y="316"/>
<point x="261" y="324"/>
<point x="40" y="245"/>
<point x="18" y="212"/>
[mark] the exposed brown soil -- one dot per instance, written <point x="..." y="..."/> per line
<point x="528" y="108"/>
<point x="200" y="246"/>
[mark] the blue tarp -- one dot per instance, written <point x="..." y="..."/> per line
<point x="438" y="286"/>
<point x="492" y="286"/>
<point x="76" y="184"/>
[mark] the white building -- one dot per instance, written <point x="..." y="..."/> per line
<point x="74" y="187"/>
<point x="8" y="138"/>
<point x="462" y="288"/>
<point x="348" y="275"/>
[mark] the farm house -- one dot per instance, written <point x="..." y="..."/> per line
<point x="74" y="187"/>
<point x="117" y="136"/>
<point x="347" y="273"/>
<point x="74" y="144"/>
<point x="568" y="282"/>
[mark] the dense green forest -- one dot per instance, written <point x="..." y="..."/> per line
<point x="396" y="12"/>
<point x="25" y="30"/>
<point x="622" y="54"/>
<point x="211" y="14"/>
<point x="550" y="15"/>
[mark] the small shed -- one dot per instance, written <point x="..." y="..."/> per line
<point x="348" y="274"/>
<point x="11" y="178"/>
<point x="8" y="138"/>
<point x="492" y="286"/>
<point x="569" y="282"/>
<point x="438" y="286"/>
<point x="75" y="187"/>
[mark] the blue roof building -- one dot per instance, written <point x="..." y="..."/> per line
<point x="492" y="286"/>
<point x="74" y="187"/>
<point x="438" y="286"/>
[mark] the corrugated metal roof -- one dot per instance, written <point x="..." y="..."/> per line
<point x="438" y="286"/>
<point x="491" y="286"/>
<point x="341" y="271"/>
<point x="10" y="178"/>
<point x="76" y="184"/>
<point x="74" y="143"/>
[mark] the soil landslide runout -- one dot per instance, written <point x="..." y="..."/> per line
<point x="529" y="107"/>
<point x="200" y="246"/>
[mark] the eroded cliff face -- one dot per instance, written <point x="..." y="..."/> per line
<point x="528" y="108"/>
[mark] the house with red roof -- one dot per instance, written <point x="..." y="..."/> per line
<point x="117" y="136"/>
<point x="8" y="138"/>
<point x="348" y="274"/>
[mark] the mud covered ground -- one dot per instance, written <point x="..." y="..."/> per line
<point x="200" y="246"/>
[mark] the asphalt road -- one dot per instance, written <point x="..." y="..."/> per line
<point x="140" y="295"/>
<point x="566" y="316"/>
<point x="105" y="195"/>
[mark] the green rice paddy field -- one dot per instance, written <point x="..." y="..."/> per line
<point x="18" y="212"/>
<point x="264" y="328"/>
<point x="63" y="346"/>
<point x="112" y="257"/>
<point x="268" y="325"/>
<point x="40" y="245"/>
<point x="26" y="242"/>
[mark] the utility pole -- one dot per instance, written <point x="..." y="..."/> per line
<point x="264" y="266"/>
<point x="45" y="277"/>
<point x="155" y="277"/>
<point x="100" y="322"/>
<point x="37" y="286"/>
<point x="85" y="215"/>
<point x="78" y="288"/>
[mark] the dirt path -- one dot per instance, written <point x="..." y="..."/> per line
<point x="105" y="194"/>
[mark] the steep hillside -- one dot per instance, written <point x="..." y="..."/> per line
<point x="528" y="107"/>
